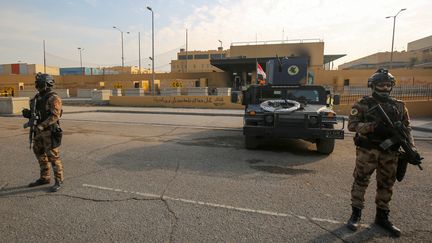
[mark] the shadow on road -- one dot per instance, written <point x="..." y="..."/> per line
<point x="362" y="235"/>
<point x="17" y="190"/>
<point x="217" y="151"/>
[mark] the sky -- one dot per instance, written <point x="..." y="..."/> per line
<point x="351" y="27"/>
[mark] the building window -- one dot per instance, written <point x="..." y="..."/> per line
<point x="217" y="56"/>
<point x="183" y="57"/>
<point x="346" y="82"/>
<point x="202" y="56"/>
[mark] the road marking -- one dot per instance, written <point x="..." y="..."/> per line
<point x="216" y="205"/>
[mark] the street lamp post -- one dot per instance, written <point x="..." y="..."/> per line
<point x="115" y="27"/>
<point x="394" y="25"/>
<point x="220" y="48"/>
<point x="152" y="59"/>
<point x="139" y="52"/>
<point x="80" y="52"/>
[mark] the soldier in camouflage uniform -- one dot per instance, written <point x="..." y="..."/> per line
<point x="370" y="133"/>
<point x="47" y="131"/>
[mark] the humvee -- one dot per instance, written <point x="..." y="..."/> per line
<point x="285" y="108"/>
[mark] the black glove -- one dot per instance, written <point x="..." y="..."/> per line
<point x="416" y="160"/>
<point x="26" y="113"/>
<point x="383" y="130"/>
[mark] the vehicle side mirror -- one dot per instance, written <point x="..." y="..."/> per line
<point x="336" y="99"/>
<point x="234" y="97"/>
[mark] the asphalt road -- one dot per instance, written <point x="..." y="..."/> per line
<point x="163" y="178"/>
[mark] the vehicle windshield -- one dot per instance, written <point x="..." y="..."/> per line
<point x="310" y="96"/>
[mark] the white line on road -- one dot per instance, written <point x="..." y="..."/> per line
<point x="215" y="205"/>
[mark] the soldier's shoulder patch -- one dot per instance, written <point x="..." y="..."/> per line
<point x="354" y="111"/>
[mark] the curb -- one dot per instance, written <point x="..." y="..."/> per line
<point x="421" y="129"/>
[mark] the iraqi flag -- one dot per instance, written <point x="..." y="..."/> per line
<point x="260" y="72"/>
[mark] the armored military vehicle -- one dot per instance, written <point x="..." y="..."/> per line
<point x="283" y="107"/>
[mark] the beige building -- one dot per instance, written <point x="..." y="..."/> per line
<point x="418" y="54"/>
<point x="197" y="61"/>
<point x="240" y="61"/>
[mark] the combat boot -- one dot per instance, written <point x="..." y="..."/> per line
<point x="56" y="186"/>
<point x="39" y="182"/>
<point x="354" y="220"/>
<point x="382" y="220"/>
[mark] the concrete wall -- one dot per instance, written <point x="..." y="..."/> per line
<point x="215" y="102"/>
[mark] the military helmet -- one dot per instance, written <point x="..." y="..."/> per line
<point x="43" y="78"/>
<point x="381" y="75"/>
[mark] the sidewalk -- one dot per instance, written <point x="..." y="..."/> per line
<point x="153" y="110"/>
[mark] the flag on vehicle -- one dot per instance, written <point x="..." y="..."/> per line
<point x="260" y="73"/>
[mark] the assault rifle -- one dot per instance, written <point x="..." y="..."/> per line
<point x="401" y="136"/>
<point x="33" y="120"/>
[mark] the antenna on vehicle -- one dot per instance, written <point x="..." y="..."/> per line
<point x="280" y="63"/>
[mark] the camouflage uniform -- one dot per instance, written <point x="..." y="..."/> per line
<point x="370" y="156"/>
<point x="49" y="105"/>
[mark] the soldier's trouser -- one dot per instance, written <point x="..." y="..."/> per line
<point x="385" y="164"/>
<point x="47" y="156"/>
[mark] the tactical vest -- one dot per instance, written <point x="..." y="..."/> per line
<point x="41" y="105"/>
<point x="394" y="110"/>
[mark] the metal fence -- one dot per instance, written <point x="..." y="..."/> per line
<point x="351" y="94"/>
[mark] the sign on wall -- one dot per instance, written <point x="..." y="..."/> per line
<point x="176" y="84"/>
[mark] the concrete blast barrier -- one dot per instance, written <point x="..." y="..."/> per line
<point x="13" y="105"/>
<point x="171" y="92"/>
<point x="197" y="91"/>
<point x="84" y="93"/>
<point x="63" y="93"/>
<point x="99" y="95"/>
<point x="223" y="91"/>
<point x="134" y="92"/>
<point x="27" y="93"/>
<point x="117" y="92"/>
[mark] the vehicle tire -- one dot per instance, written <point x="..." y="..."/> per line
<point x="325" y="145"/>
<point x="251" y="142"/>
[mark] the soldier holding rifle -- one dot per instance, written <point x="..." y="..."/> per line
<point x="383" y="143"/>
<point x="45" y="132"/>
